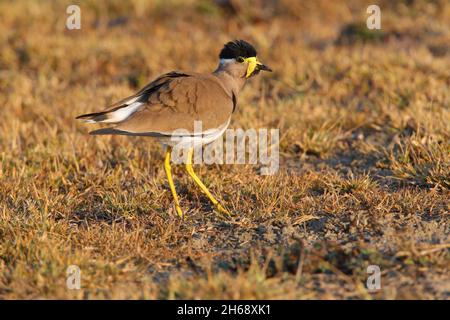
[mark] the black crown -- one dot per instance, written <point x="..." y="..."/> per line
<point x="237" y="48"/>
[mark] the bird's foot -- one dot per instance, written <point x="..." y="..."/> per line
<point x="222" y="210"/>
<point x="179" y="211"/>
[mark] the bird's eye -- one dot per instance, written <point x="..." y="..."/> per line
<point x="240" y="59"/>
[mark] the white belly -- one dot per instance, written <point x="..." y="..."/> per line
<point x="206" y="137"/>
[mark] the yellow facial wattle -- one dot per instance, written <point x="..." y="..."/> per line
<point x="252" y="63"/>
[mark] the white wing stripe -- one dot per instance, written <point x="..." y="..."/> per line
<point x="122" y="113"/>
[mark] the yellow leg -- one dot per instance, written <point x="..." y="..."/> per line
<point x="197" y="180"/>
<point x="168" y="170"/>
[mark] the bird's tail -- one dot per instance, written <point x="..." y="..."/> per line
<point x="93" y="117"/>
<point x="113" y="115"/>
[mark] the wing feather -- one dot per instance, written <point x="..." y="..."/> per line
<point x="172" y="101"/>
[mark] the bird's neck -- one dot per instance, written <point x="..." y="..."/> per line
<point x="232" y="80"/>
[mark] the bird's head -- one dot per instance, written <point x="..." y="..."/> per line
<point x="240" y="56"/>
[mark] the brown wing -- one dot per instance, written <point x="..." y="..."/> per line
<point x="174" y="102"/>
<point x="121" y="110"/>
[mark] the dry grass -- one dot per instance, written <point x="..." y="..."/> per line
<point x="364" y="124"/>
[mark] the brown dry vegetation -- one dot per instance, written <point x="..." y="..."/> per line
<point x="364" y="120"/>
